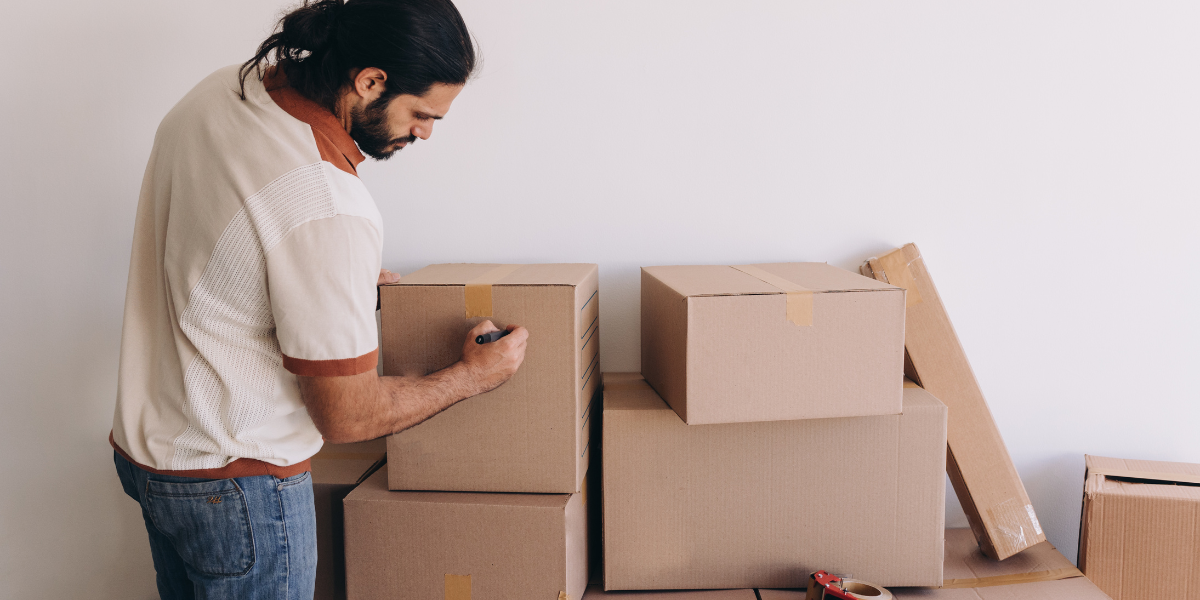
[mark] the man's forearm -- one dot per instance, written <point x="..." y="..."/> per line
<point x="366" y="406"/>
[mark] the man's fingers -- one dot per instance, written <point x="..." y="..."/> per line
<point x="485" y="327"/>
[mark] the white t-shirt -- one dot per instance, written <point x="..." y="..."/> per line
<point x="256" y="253"/>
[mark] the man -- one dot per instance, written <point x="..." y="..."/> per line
<point x="249" y="333"/>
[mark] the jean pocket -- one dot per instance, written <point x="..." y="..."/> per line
<point x="207" y="521"/>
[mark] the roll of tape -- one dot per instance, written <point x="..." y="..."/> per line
<point x="866" y="590"/>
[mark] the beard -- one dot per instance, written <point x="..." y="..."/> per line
<point x="369" y="128"/>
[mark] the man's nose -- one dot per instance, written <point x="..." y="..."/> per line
<point x="423" y="131"/>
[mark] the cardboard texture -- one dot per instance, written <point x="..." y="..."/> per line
<point x="596" y="593"/>
<point x="980" y="469"/>
<point x="764" y="504"/>
<point x="459" y="546"/>
<point x="530" y="434"/>
<point x="771" y="342"/>
<point x="1140" y="533"/>
<point x="336" y="470"/>
<point x="1038" y="573"/>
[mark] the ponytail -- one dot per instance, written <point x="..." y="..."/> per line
<point x="418" y="43"/>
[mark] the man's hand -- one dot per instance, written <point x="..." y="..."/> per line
<point x="386" y="277"/>
<point x="495" y="362"/>
<point x="363" y="407"/>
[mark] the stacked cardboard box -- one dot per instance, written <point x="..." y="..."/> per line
<point x="765" y="504"/>
<point x="1140" y="534"/>
<point x="336" y="470"/>
<point x="489" y="498"/>
<point x="792" y="445"/>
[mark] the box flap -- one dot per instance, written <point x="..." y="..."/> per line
<point x="718" y="280"/>
<point x="1143" y="471"/>
<point x="531" y="274"/>
<point x="967" y="567"/>
<point x="348" y="464"/>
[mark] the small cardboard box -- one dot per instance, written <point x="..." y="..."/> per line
<point x="530" y="434"/>
<point x="1038" y="573"/>
<point x="336" y="470"/>
<point x="1140" y="534"/>
<point x="457" y="546"/>
<point x="596" y="593"/>
<point x="764" y="504"/>
<point x="980" y="469"/>
<point x="771" y="342"/>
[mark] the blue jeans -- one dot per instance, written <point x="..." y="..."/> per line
<point x="245" y="538"/>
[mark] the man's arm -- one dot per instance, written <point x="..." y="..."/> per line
<point x="367" y="406"/>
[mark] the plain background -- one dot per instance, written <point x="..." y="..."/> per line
<point x="1043" y="154"/>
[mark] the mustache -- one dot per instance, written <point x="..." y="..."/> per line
<point x="412" y="139"/>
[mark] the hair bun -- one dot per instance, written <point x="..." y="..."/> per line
<point x="313" y="26"/>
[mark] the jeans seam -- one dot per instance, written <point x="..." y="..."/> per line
<point x="286" y="483"/>
<point x="287" y="549"/>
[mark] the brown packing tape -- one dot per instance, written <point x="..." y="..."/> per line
<point x="898" y="272"/>
<point x="997" y="580"/>
<point x="1151" y="475"/>
<point x="563" y="596"/>
<point x="458" y="587"/>
<point x="799" y="298"/>
<point x="478" y="292"/>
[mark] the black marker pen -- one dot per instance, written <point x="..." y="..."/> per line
<point x="488" y="338"/>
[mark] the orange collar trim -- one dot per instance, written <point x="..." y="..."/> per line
<point x="333" y="141"/>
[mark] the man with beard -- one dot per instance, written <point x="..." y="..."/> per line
<point x="249" y="335"/>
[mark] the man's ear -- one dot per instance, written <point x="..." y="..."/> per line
<point x="369" y="83"/>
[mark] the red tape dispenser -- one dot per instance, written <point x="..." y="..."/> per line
<point x="823" y="586"/>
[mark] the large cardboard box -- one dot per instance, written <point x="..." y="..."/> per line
<point x="1140" y="534"/>
<point x="771" y="342"/>
<point x="1038" y="573"/>
<point x="336" y="470"/>
<point x="980" y="469"/>
<point x="458" y="546"/>
<point x="530" y="434"/>
<point x="764" y="504"/>
<point x="596" y="593"/>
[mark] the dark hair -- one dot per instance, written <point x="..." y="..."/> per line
<point x="416" y="42"/>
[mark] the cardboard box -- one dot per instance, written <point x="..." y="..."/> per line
<point x="764" y="504"/>
<point x="336" y="470"/>
<point x="594" y="592"/>
<point x="457" y="546"/>
<point x="771" y="342"/>
<point x="530" y="434"/>
<point x="1140" y="534"/>
<point x="1038" y="573"/>
<point x="980" y="469"/>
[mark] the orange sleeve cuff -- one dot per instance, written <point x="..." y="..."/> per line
<point x="341" y="367"/>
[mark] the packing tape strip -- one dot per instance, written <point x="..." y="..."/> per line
<point x="479" y="290"/>
<point x="458" y="587"/>
<point x="997" y="580"/>
<point x="799" y="298"/>
<point x="1151" y="475"/>
<point x="897" y="270"/>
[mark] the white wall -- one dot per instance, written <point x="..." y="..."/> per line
<point x="1043" y="155"/>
